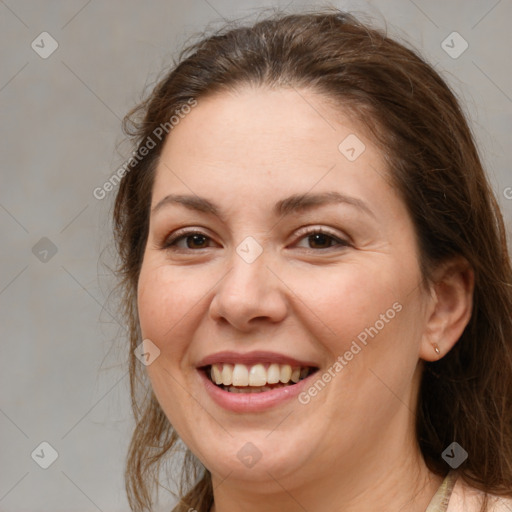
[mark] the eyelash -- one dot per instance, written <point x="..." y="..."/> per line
<point x="170" y="243"/>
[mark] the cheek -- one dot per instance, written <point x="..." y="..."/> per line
<point x="352" y="299"/>
<point x="166" y="301"/>
<point x="166" y="298"/>
<point x="370" y="318"/>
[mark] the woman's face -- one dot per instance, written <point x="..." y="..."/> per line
<point x="277" y="246"/>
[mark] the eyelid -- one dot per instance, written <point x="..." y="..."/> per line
<point x="319" y="229"/>
<point x="184" y="233"/>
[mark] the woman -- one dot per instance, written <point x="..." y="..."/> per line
<point x="316" y="279"/>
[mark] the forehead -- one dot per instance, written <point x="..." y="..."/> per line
<point x="269" y="138"/>
<point x="265" y="120"/>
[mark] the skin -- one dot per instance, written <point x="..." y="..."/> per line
<point x="353" y="446"/>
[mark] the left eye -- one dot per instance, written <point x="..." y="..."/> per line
<point x="196" y="240"/>
<point x="320" y="238"/>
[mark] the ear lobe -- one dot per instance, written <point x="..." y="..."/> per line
<point x="451" y="308"/>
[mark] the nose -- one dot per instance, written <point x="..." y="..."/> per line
<point x="249" y="295"/>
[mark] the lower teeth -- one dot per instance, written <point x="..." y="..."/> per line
<point x="253" y="389"/>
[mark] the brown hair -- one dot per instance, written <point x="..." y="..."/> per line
<point x="414" y="117"/>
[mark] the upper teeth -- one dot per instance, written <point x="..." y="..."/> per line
<point x="256" y="375"/>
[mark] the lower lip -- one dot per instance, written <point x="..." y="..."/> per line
<point x="253" y="402"/>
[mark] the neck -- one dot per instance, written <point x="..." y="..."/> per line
<point x="397" y="479"/>
<point x="387" y="492"/>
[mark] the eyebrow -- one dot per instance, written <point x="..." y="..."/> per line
<point x="293" y="204"/>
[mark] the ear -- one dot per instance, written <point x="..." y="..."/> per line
<point x="450" y="307"/>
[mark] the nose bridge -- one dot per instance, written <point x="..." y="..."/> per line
<point x="249" y="290"/>
<point x="248" y="278"/>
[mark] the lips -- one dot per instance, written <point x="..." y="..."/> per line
<point x="248" y="399"/>
<point x="254" y="372"/>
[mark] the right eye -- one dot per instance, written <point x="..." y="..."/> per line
<point x="191" y="240"/>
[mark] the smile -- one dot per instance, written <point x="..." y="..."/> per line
<point x="254" y="381"/>
<point x="256" y="378"/>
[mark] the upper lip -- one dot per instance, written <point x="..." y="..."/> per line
<point x="251" y="358"/>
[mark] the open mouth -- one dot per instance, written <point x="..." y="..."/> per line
<point x="257" y="378"/>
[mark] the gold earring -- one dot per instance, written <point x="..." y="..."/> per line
<point x="436" y="348"/>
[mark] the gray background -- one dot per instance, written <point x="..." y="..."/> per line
<point x="63" y="375"/>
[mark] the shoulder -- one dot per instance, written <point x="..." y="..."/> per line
<point x="468" y="499"/>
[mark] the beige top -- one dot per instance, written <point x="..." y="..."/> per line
<point x="455" y="496"/>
